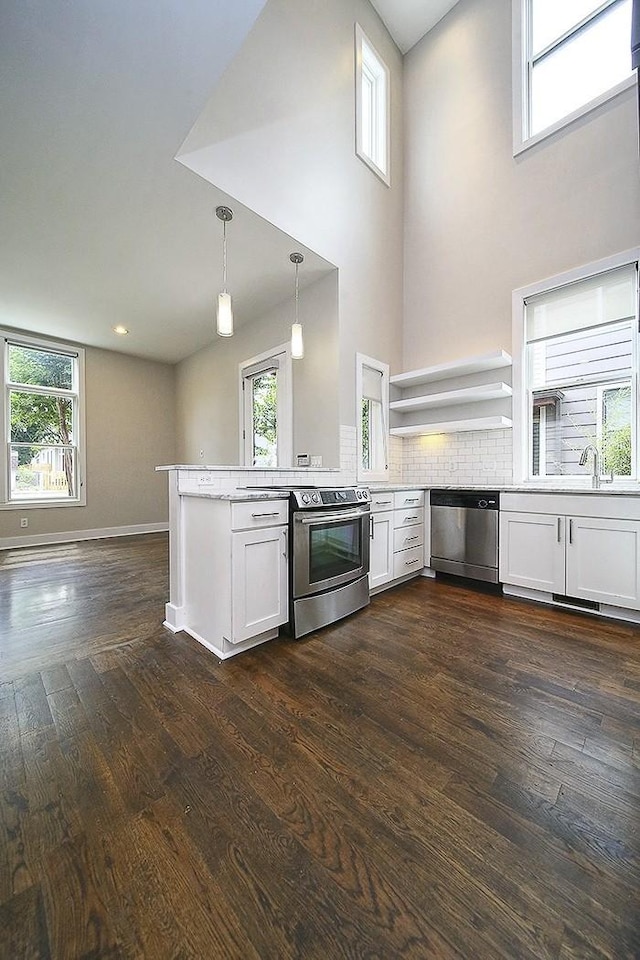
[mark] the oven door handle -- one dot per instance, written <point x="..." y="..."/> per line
<point x="330" y="517"/>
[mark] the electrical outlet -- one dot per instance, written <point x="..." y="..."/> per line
<point x="24" y="521"/>
<point x="202" y="454"/>
<point x="316" y="461"/>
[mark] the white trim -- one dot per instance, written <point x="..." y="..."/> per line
<point x="363" y="361"/>
<point x="383" y="173"/>
<point x="521" y="88"/>
<point x="520" y="433"/>
<point x="285" y="404"/>
<point x="71" y="536"/>
<point x="220" y="652"/>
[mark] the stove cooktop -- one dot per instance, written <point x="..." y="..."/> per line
<point x="310" y="497"/>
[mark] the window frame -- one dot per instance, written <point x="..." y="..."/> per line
<point x="521" y="85"/>
<point x="284" y="429"/>
<point x="380" y="162"/>
<point x="522" y="438"/>
<point x="78" y="394"/>
<point x="363" y="361"/>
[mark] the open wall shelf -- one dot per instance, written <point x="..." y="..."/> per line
<point x="488" y="391"/>
<point x="449" y="371"/>
<point x="459" y="395"/>
<point x="452" y="426"/>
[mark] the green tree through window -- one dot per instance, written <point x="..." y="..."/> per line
<point x="39" y="418"/>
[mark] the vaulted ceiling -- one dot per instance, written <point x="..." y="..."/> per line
<point x="100" y="224"/>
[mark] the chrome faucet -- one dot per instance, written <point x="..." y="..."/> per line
<point x="595" y="473"/>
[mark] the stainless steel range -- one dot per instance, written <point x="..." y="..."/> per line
<point x="329" y="555"/>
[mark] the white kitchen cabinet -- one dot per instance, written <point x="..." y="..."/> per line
<point x="603" y="560"/>
<point x="235" y="572"/>
<point x="397" y="543"/>
<point x="588" y="558"/>
<point x="532" y="551"/>
<point x="381" y="549"/>
<point x="259" y="593"/>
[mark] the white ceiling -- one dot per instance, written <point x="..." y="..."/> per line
<point x="408" y="20"/>
<point x="100" y="224"/>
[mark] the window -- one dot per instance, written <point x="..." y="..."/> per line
<point x="372" y="107"/>
<point x="570" y="56"/>
<point x="266" y="409"/>
<point x="578" y="377"/>
<point x="43" y="418"/>
<point x="372" y="399"/>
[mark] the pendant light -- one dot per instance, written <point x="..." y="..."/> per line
<point x="224" y="317"/>
<point x="297" y="346"/>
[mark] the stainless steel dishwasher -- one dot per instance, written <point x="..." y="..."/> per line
<point x="464" y="533"/>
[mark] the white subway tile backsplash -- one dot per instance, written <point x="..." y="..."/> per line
<point x="478" y="456"/>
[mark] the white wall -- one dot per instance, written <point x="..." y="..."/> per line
<point x="479" y="223"/>
<point x="207" y="382"/>
<point x="279" y="134"/>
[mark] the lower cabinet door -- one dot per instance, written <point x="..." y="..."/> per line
<point x="603" y="561"/>
<point x="381" y="549"/>
<point x="532" y="551"/>
<point x="259" y="581"/>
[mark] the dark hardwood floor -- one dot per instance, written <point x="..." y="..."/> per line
<point x="445" y="774"/>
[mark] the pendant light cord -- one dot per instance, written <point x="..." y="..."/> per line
<point x="224" y="255"/>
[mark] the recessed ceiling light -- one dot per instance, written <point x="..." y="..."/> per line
<point x="121" y="331"/>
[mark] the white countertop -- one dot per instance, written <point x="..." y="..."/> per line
<point x="234" y="468"/>
<point x="604" y="490"/>
<point x="236" y="495"/>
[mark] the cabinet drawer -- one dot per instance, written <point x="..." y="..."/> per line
<point x="259" y="513"/>
<point x="407" y="499"/>
<point x="381" y="501"/>
<point x="408" y="537"/>
<point x="407" y="517"/>
<point x="408" y="561"/>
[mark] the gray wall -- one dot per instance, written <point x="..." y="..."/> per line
<point x="207" y="382"/>
<point x="130" y="423"/>
<point x="279" y="134"/>
<point x="479" y="223"/>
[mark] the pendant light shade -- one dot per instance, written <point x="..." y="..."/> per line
<point x="224" y="316"/>
<point x="297" y="344"/>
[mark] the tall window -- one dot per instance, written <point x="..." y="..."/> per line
<point x="372" y="107"/>
<point x="372" y="398"/>
<point x="265" y="384"/>
<point x="573" y="55"/>
<point x="42" y="397"/>
<point x="580" y="376"/>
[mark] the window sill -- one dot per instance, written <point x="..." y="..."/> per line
<point x="39" y="504"/>
<point x="521" y="146"/>
<point x="373" y="166"/>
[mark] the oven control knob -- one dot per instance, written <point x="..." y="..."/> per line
<point x="482" y="504"/>
<point x="359" y="494"/>
<point x="305" y="498"/>
<point x="315" y="497"/>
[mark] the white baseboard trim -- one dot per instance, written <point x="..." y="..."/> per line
<point x="69" y="536"/>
